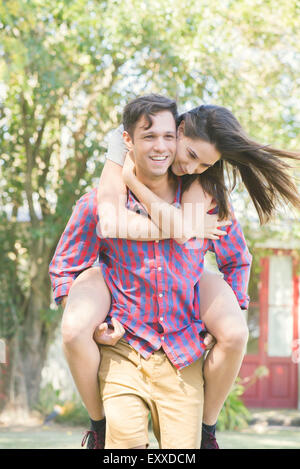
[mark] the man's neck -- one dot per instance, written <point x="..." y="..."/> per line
<point x="163" y="186"/>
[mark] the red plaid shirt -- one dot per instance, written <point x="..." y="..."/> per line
<point x="154" y="284"/>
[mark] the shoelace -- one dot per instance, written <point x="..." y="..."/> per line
<point x="214" y="441"/>
<point x="94" y="435"/>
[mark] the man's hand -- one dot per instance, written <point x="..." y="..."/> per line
<point x="105" y="335"/>
<point x="209" y="340"/>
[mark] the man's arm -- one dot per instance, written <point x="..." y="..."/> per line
<point x="78" y="247"/>
<point x="234" y="260"/>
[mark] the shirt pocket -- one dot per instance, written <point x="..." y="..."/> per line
<point x="186" y="258"/>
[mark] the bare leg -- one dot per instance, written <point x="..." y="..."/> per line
<point x="87" y="306"/>
<point x="224" y="319"/>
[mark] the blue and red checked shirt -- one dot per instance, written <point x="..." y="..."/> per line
<point x="154" y="284"/>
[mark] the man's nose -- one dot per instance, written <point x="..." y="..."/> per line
<point x="160" y="145"/>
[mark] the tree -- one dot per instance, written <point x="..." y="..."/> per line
<point x="66" y="70"/>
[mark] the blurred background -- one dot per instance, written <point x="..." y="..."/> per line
<point x="67" y="68"/>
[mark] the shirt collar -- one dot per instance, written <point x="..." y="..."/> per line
<point x="134" y="204"/>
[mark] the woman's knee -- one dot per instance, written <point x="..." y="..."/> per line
<point x="73" y="335"/>
<point x="221" y="312"/>
<point x="234" y="336"/>
<point x="87" y="306"/>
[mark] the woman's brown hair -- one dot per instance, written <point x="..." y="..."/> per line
<point x="261" y="167"/>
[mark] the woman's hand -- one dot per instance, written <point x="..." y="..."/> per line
<point x="105" y="335"/>
<point x="128" y="171"/>
<point x="116" y="149"/>
<point x="210" y="229"/>
<point x="212" y="225"/>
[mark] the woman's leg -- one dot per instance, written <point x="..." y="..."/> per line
<point x="87" y="306"/>
<point x="224" y="319"/>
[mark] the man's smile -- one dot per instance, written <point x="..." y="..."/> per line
<point x="159" y="158"/>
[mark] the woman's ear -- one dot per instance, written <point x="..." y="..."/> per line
<point x="180" y="130"/>
<point x="128" y="140"/>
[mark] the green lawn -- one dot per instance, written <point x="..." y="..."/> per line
<point x="61" y="437"/>
<point x="271" y="439"/>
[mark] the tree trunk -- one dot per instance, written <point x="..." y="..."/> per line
<point x="16" y="408"/>
<point x="28" y="351"/>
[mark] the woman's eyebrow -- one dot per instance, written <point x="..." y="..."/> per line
<point x="196" y="156"/>
<point x="193" y="153"/>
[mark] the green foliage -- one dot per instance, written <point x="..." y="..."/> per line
<point x="234" y="414"/>
<point x="48" y="398"/>
<point x="73" y="412"/>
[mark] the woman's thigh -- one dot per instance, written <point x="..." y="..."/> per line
<point x="88" y="302"/>
<point x="219" y="308"/>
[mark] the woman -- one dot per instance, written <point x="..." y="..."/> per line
<point x="209" y="137"/>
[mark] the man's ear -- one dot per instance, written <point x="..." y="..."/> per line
<point x="128" y="140"/>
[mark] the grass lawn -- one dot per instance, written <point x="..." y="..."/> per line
<point x="60" y="437"/>
<point x="272" y="438"/>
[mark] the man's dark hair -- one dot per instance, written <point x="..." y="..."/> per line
<point x="147" y="106"/>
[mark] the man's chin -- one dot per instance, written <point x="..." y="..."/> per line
<point x="159" y="171"/>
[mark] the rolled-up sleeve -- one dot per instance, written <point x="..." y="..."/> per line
<point x="78" y="247"/>
<point x="234" y="259"/>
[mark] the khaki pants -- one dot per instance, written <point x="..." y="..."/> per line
<point x="131" y="387"/>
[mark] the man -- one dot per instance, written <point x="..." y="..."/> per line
<point x="157" y="365"/>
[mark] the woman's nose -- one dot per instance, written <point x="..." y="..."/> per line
<point x="190" y="168"/>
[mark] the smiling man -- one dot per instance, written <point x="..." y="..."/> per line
<point x="159" y="356"/>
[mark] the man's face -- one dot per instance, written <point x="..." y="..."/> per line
<point x="154" y="148"/>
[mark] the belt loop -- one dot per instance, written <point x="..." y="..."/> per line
<point x="139" y="367"/>
<point x="179" y="375"/>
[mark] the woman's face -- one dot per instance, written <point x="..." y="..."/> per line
<point x="193" y="156"/>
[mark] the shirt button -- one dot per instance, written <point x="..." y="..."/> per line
<point x="157" y="240"/>
<point x="162" y="338"/>
<point x="160" y="295"/>
<point x="161" y="319"/>
<point x="159" y="268"/>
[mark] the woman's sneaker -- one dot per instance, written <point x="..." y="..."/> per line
<point x="208" y="440"/>
<point x="95" y="438"/>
